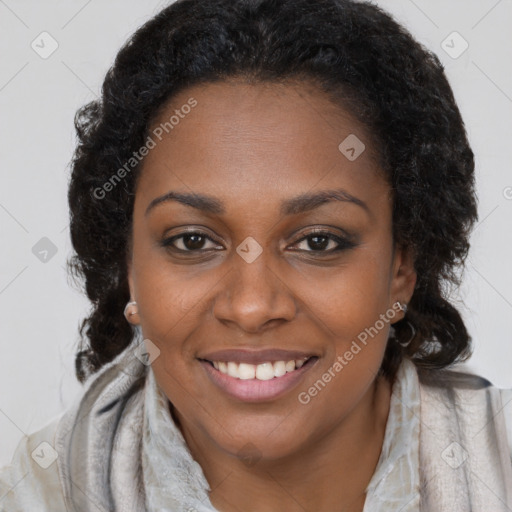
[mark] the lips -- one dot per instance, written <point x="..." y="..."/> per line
<point x="256" y="376"/>
<point x="256" y="357"/>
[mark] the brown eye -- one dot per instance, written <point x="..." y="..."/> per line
<point x="318" y="242"/>
<point x="193" y="242"/>
<point x="189" y="242"/>
<point x="323" y="242"/>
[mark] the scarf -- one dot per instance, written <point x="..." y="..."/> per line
<point x="445" y="448"/>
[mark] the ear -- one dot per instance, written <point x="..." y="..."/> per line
<point x="403" y="277"/>
<point x="132" y="311"/>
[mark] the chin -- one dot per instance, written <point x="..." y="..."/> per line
<point x="255" y="440"/>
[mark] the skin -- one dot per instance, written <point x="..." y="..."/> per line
<point x="253" y="146"/>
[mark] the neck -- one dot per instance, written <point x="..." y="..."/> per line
<point x="329" y="474"/>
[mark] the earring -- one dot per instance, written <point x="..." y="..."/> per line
<point x="130" y="309"/>
<point x="401" y="306"/>
<point x="413" y="334"/>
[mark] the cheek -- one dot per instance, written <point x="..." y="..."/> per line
<point x="352" y="297"/>
<point x="171" y="297"/>
<point x="355" y="311"/>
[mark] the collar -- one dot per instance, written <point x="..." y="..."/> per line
<point x="395" y="483"/>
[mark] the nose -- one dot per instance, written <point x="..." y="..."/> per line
<point x="254" y="297"/>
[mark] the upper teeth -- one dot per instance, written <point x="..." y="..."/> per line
<point x="263" y="371"/>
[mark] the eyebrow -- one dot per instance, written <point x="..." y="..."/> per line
<point x="302" y="203"/>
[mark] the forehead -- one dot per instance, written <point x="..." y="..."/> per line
<point x="261" y="139"/>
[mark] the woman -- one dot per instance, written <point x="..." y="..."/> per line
<point x="267" y="205"/>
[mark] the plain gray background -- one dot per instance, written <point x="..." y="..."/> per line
<point x="40" y="311"/>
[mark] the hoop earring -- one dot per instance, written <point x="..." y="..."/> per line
<point x="130" y="309"/>
<point x="413" y="334"/>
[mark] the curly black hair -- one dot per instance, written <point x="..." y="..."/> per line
<point x="367" y="63"/>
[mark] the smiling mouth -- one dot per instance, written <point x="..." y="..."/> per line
<point x="263" y="371"/>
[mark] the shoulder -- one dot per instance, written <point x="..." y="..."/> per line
<point x="32" y="479"/>
<point x="38" y="477"/>
<point x="469" y="396"/>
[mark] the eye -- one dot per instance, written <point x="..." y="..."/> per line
<point x="191" y="241"/>
<point x="324" y="242"/>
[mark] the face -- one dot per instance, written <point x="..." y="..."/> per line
<point x="262" y="249"/>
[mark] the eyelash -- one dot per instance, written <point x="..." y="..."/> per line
<point x="343" y="243"/>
